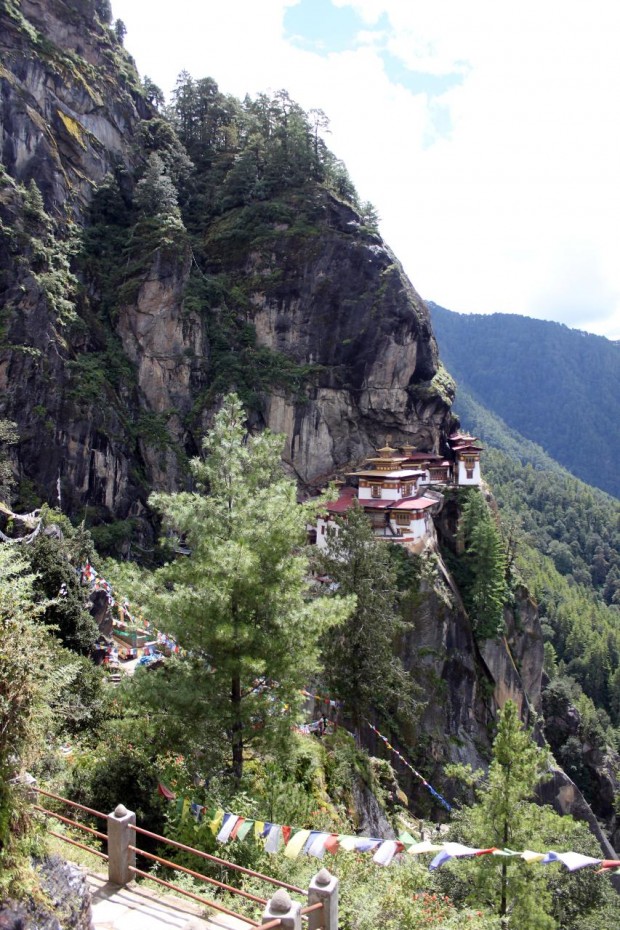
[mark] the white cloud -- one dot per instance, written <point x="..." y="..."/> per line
<point x="525" y="184"/>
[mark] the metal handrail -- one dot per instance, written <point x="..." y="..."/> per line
<point x="56" y="797"/>
<point x="195" y="897"/>
<point x="225" y="862"/>
<point x="206" y="878"/>
<point x="72" y="823"/>
<point x="271" y="925"/>
<point x="89" y="849"/>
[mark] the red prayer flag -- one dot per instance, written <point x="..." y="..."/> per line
<point x="331" y="843"/>
<point x="235" y="829"/>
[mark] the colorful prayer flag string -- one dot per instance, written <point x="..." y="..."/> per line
<point x="294" y="841"/>
<point x="321" y="698"/>
<point x="408" y="764"/>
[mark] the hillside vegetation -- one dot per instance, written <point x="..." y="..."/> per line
<point x="554" y="385"/>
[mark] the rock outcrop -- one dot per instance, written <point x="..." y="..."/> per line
<point x="68" y="904"/>
<point x="110" y="402"/>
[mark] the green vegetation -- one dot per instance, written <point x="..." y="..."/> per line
<point x="481" y="571"/>
<point x="562" y="539"/>
<point x="506" y="817"/>
<point x="246" y="572"/>
<point x="554" y="385"/>
<point x="215" y="723"/>
<point x="361" y="667"/>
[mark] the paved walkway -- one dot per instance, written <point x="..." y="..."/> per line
<point x="135" y="907"/>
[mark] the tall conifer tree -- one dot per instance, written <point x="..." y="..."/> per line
<point x="360" y="657"/>
<point x="239" y="603"/>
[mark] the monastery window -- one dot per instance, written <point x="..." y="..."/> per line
<point x="376" y="491"/>
<point x="407" y="490"/>
<point x="470" y="464"/>
<point x="403" y="518"/>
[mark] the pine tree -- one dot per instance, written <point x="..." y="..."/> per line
<point x="360" y="659"/>
<point x="506" y="817"/>
<point x="485" y="558"/>
<point x="239" y="603"/>
<point x="8" y="437"/>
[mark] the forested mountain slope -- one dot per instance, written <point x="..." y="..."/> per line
<point x="563" y="538"/>
<point x="555" y="386"/>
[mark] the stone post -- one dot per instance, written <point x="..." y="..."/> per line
<point x="282" y="908"/>
<point x="120" y="857"/>
<point x="323" y="888"/>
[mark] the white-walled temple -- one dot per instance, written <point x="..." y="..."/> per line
<point x="399" y="490"/>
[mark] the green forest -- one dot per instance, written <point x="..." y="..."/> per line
<point x="563" y="539"/>
<point x="571" y="403"/>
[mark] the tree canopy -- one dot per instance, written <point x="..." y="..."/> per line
<point x="239" y="602"/>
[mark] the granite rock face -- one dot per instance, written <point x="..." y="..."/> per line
<point x="335" y="301"/>
<point x="348" y="309"/>
<point x="69" y="899"/>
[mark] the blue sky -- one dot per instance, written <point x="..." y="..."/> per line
<point x="321" y="27"/>
<point x="486" y="134"/>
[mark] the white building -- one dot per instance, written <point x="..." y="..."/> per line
<point x="395" y="490"/>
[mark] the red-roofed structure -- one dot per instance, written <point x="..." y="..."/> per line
<point x="396" y="488"/>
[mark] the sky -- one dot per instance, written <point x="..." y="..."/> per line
<point x="485" y="132"/>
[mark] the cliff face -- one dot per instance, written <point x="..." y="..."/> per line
<point x="109" y="402"/>
<point x="344" y="306"/>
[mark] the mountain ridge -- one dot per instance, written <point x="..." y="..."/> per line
<point x="553" y="385"/>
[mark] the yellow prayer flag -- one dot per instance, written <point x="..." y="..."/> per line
<point x="296" y="844"/>
<point x="216" y="823"/>
<point x="530" y="856"/>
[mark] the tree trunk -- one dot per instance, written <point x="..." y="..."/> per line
<point x="503" y="905"/>
<point x="237" y="726"/>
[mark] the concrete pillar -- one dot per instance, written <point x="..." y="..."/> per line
<point x="120" y="857"/>
<point x="323" y="888"/>
<point x="282" y="908"/>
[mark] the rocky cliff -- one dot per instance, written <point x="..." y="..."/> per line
<point x="112" y="378"/>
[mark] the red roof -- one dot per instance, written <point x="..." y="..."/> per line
<point x="347" y="498"/>
<point x="456" y="437"/>
<point x="413" y="503"/>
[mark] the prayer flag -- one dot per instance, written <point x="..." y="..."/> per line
<point x="317" y="846"/>
<point x="571" y="860"/>
<point x="273" y="839"/>
<point x="296" y="844"/>
<point x="235" y="829"/>
<point x="244" y="829"/>
<point x="386" y="852"/>
<point x="165" y="792"/>
<point x="331" y="843"/>
<point x="530" y="856"/>
<point x="230" y="821"/>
